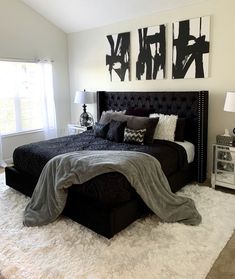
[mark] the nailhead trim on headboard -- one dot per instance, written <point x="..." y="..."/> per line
<point x="193" y="105"/>
<point x="202" y="134"/>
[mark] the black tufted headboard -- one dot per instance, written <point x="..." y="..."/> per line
<point x="192" y="105"/>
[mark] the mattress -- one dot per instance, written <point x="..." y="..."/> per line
<point x="189" y="148"/>
<point x="109" y="188"/>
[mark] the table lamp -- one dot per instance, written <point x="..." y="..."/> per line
<point x="229" y="105"/>
<point x="84" y="97"/>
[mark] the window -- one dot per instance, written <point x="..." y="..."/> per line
<point x="23" y="88"/>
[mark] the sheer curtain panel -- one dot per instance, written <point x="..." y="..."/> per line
<point x="48" y="103"/>
<point x="2" y="163"/>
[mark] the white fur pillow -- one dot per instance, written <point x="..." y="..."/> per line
<point x="166" y="126"/>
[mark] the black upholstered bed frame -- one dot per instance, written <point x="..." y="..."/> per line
<point x="105" y="219"/>
<point x="192" y="105"/>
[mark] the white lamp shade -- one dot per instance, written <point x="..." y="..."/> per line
<point x="229" y="104"/>
<point x="84" y="97"/>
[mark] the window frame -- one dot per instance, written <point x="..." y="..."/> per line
<point x="17" y="104"/>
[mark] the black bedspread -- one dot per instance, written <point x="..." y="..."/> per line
<point x="31" y="158"/>
<point x="110" y="188"/>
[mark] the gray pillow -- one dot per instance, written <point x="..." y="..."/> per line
<point x="109" y="115"/>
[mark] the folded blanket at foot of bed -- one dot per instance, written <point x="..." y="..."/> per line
<point x="142" y="171"/>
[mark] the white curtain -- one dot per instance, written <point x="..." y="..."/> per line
<point x="2" y="163"/>
<point x="48" y="103"/>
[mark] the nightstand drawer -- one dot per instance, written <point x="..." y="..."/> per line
<point x="224" y="177"/>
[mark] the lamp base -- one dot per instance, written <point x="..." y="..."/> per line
<point x="86" y="119"/>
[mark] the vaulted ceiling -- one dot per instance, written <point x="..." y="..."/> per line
<point x="77" y="15"/>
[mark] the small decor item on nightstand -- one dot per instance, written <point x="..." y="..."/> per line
<point x="84" y="97"/>
<point x="224" y="140"/>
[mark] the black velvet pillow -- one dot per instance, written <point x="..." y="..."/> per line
<point x="101" y="130"/>
<point x="136" y="123"/>
<point x="139" y="112"/>
<point x="180" y="129"/>
<point x="116" y="131"/>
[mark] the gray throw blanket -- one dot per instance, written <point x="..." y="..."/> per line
<point x="142" y="171"/>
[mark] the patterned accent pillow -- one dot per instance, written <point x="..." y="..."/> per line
<point x="101" y="130"/>
<point x="166" y="126"/>
<point x="134" y="136"/>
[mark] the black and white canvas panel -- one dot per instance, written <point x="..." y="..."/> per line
<point x="191" y="48"/>
<point x="151" y="58"/>
<point x="118" y="56"/>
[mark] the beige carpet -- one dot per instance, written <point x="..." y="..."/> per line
<point x="224" y="266"/>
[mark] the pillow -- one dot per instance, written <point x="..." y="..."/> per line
<point x="139" y="112"/>
<point x="116" y="131"/>
<point x="100" y="130"/>
<point x="135" y="136"/>
<point x="180" y="129"/>
<point x="108" y="115"/>
<point x="137" y="123"/>
<point x="165" y="129"/>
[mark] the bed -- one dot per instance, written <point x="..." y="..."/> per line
<point x="107" y="204"/>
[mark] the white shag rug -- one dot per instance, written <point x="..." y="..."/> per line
<point x="147" y="249"/>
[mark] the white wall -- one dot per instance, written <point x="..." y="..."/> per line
<point x="27" y="35"/>
<point x="87" y="60"/>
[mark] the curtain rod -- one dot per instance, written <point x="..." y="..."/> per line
<point x="34" y="60"/>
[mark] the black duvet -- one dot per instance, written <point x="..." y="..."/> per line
<point x="110" y="187"/>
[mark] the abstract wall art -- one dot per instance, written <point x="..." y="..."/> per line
<point x="118" y="56"/>
<point x="191" y="48"/>
<point x="150" y="62"/>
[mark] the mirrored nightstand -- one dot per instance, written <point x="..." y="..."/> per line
<point x="223" y="170"/>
